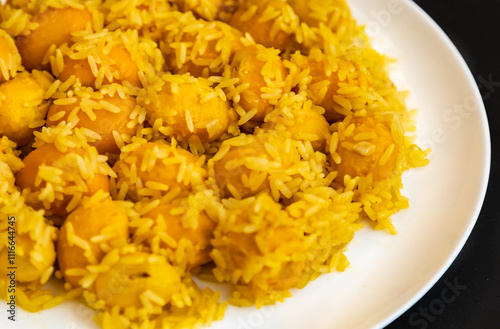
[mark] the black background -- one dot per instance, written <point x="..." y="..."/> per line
<point x="474" y="27"/>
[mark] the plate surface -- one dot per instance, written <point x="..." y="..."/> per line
<point x="388" y="274"/>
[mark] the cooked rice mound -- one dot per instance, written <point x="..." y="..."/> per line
<point x="153" y="147"/>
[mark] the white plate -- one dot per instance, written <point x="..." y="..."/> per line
<point x="388" y="274"/>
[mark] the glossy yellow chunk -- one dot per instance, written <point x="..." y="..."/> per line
<point x="259" y="245"/>
<point x="203" y="52"/>
<point x="118" y="62"/>
<point x="267" y="21"/>
<point x="248" y="165"/>
<point x="134" y="278"/>
<point x="335" y="14"/>
<point x="80" y="68"/>
<point x="192" y="109"/>
<point x="105" y="122"/>
<point x="54" y="28"/>
<point x="49" y="155"/>
<point x="370" y="150"/>
<point x="32" y="258"/>
<point x="154" y="169"/>
<point x="172" y="225"/>
<point x="22" y="104"/>
<point x="323" y="83"/>
<point x="100" y="222"/>
<point x="251" y="67"/>
<point x="305" y="125"/>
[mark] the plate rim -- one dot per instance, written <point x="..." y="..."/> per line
<point x="486" y="137"/>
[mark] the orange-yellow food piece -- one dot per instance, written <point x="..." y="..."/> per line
<point x="100" y="222"/>
<point x="48" y="154"/>
<point x="259" y="73"/>
<point x="335" y="14"/>
<point x="157" y="163"/>
<point x="257" y="245"/>
<point x="229" y="172"/>
<point x="206" y="52"/>
<point x="245" y="251"/>
<point x="32" y="259"/>
<point x="105" y="122"/>
<point x="318" y="74"/>
<point x="10" y="60"/>
<point x="322" y="84"/>
<point x="209" y="9"/>
<point x="306" y="125"/>
<point x="55" y="26"/>
<point x="123" y="67"/>
<point x="118" y="62"/>
<point x="80" y="68"/>
<point x="370" y="150"/>
<point x="135" y="277"/>
<point x="268" y="22"/>
<point x="22" y="103"/>
<point x="248" y="165"/>
<point x="172" y="225"/>
<point x="193" y="109"/>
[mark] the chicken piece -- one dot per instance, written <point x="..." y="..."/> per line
<point x="249" y="164"/>
<point x="33" y="255"/>
<point x="322" y="84"/>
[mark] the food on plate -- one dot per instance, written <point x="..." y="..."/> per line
<point x="199" y="47"/>
<point x="169" y="231"/>
<point x="104" y="115"/>
<point x="261" y="78"/>
<point x="153" y="169"/>
<point x="271" y="23"/>
<point x="49" y="34"/>
<point x="90" y="230"/>
<point x="189" y="109"/>
<point x="367" y="147"/>
<point x="136" y="280"/>
<point x="147" y="146"/>
<point x="58" y="177"/>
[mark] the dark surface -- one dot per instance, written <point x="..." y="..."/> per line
<point x="474" y="299"/>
